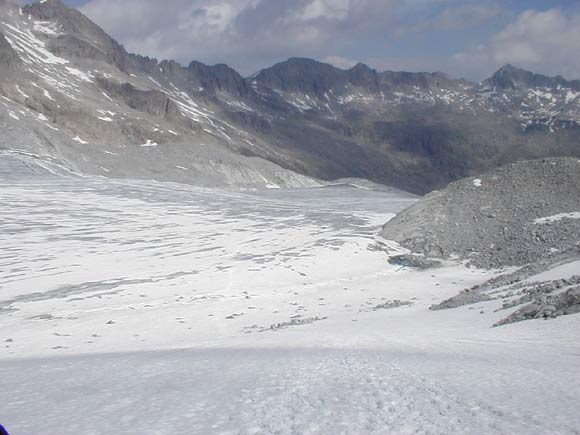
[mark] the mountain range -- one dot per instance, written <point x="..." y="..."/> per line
<point x="71" y="94"/>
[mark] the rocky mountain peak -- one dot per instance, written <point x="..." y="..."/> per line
<point x="361" y="67"/>
<point x="79" y="37"/>
<point x="7" y="5"/>
<point x="50" y="10"/>
<point x="364" y="76"/>
<point x="511" y="77"/>
<point x="302" y="75"/>
<point x="218" y="78"/>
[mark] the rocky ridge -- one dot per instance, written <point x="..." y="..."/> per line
<point x="79" y="96"/>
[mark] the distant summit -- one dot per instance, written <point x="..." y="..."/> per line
<point x="510" y="77"/>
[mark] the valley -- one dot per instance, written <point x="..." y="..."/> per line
<point x="135" y="306"/>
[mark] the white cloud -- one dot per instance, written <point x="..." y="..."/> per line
<point x="387" y="34"/>
<point x="543" y="41"/>
<point x="340" y="62"/>
<point x="454" y="17"/>
<point x="327" y="9"/>
<point x="245" y="33"/>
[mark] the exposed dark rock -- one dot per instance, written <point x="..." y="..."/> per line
<point x="392" y="304"/>
<point x="510" y="77"/>
<point x="81" y="33"/>
<point x="415" y="261"/>
<point x="219" y="78"/>
<point x="549" y="306"/>
<point x="293" y="322"/>
<point x="155" y="103"/>
<point x="8" y="57"/>
<point x="466" y="297"/>
<point x="302" y="75"/>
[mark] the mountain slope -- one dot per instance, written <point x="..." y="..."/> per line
<point x="76" y="94"/>
<point x="418" y="130"/>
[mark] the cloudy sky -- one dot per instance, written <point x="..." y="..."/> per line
<point x="461" y="37"/>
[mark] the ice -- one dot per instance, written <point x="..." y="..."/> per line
<point x="136" y="307"/>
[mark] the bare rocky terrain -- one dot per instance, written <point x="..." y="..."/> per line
<point x="525" y="215"/>
<point x="511" y="216"/>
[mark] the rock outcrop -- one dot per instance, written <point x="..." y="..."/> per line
<point x="8" y="57"/>
<point x="512" y="216"/>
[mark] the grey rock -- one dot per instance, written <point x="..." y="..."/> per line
<point x="415" y="261"/>
<point x="8" y="57"/>
<point x="456" y="220"/>
<point x="415" y="131"/>
<point x="563" y="304"/>
<point x="510" y="77"/>
<point x="152" y="102"/>
<point x="89" y="39"/>
<point x="392" y="304"/>
<point x="466" y="297"/>
<point x="293" y="322"/>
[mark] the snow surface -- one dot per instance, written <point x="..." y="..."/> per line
<point x="79" y="140"/>
<point x="133" y="307"/>
<point x="558" y="217"/>
<point x="150" y="143"/>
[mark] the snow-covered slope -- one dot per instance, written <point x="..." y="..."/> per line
<point x="132" y="306"/>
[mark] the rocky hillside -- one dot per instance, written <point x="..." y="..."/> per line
<point x="512" y="216"/>
<point x="69" y="91"/>
<point x="71" y="94"/>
